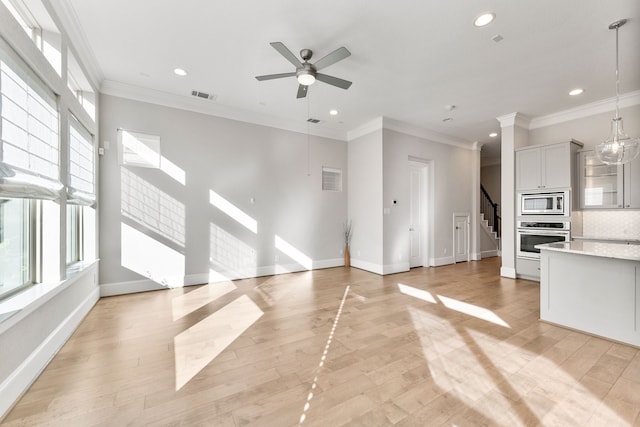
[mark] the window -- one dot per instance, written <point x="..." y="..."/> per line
<point x="29" y="171"/>
<point x="81" y="188"/>
<point x="81" y="165"/>
<point x="74" y="233"/>
<point x="29" y="128"/>
<point x="15" y="245"/>
<point x="331" y="179"/>
<point x="34" y="19"/>
<point x="79" y="85"/>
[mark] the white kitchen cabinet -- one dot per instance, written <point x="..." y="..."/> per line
<point x="546" y="166"/>
<point x="608" y="186"/>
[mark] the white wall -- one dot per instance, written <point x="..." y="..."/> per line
<point x="452" y="184"/>
<point x="365" y="201"/>
<point x="239" y="162"/>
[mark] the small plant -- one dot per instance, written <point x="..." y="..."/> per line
<point x="348" y="232"/>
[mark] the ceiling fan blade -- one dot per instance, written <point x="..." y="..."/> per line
<point x="335" y="56"/>
<point x="284" y="51"/>
<point x="275" y="76"/>
<point x="302" y="91"/>
<point x="342" y="84"/>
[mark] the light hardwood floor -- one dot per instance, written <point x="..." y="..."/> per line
<point x="454" y="346"/>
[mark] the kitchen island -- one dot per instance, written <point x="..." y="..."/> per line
<point x="592" y="287"/>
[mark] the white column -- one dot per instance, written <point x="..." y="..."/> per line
<point x="475" y="254"/>
<point x="515" y="134"/>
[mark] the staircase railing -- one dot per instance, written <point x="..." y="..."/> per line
<point x="490" y="210"/>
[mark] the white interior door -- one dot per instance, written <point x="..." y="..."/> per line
<point x="461" y="237"/>
<point x="416" y="215"/>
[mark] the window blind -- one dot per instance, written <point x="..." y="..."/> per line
<point x="331" y="179"/>
<point x="29" y="148"/>
<point x="81" y="186"/>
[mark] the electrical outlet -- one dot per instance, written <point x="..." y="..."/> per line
<point x="341" y="251"/>
<point x="277" y="258"/>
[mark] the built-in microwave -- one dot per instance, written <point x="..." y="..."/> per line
<point x="544" y="204"/>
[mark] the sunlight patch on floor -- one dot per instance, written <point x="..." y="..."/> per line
<point x="188" y="303"/>
<point x="196" y="347"/>
<point x="417" y="293"/>
<point x="473" y="310"/>
<point x="577" y="404"/>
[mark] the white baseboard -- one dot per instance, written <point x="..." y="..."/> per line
<point x="21" y="379"/>
<point x="475" y="256"/>
<point x="509" y="272"/>
<point x="396" y="268"/>
<point x="437" y="262"/>
<point x="489" y="254"/>
<point x="368" y="266"/>
<point x="145" y="285"/>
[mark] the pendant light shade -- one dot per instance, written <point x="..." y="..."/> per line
<point x="618" y="148"/>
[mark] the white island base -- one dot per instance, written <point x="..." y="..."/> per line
<point x="592" y="287"/>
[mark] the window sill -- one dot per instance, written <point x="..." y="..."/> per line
<point x="20" y="305"/>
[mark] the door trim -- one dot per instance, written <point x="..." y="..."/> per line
<point x="427" y="235"/>
<point x="467" y="234"/>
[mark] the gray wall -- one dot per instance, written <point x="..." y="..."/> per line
<point x="238" y="161"/>
<point x="452" y="185"/>
<point x="365" y="201"/>
<point x="490" y="179"/>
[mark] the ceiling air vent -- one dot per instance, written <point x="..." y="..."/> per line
<point x="312" y="120"/>
<point x="203" y="95"/>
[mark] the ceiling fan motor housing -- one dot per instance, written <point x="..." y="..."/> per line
<point x="306" y="70"/>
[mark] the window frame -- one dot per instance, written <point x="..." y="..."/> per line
<point x="29" y="242"/>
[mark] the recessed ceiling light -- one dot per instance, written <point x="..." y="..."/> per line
<point x="179" y="72"/>
<point x="493" y="134"/>
<point x="333" y="112"/>
<point x="576" y="91"/>
<point x="484" y="19"/>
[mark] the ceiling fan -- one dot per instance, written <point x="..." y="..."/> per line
<point x="306" y="72"/>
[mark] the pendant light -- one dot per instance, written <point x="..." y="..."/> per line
<point x="618" y="148"/>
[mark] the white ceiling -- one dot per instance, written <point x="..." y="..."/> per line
<point x="409" y="59"/>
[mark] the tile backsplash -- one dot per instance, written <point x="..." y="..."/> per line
<point x="614" y="224"/>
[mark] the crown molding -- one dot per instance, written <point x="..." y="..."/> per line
<point x="419" y="132"/>
<point x="70" y="24"/>
<point x="514" y="119"/>
<point x="189" y="103"/>
<point x="603" y="106"/>
<point x="365" y="129"/>
<point x="407" y="129"/>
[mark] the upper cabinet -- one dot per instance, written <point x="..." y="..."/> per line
<point x="546" y="166"/>
<point x="608" y="186"/>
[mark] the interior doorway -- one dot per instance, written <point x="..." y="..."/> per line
<point x="461" y="232"/>
<point x="419" y="208"/>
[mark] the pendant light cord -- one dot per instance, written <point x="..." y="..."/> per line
<point x="308" y="137"/>
<point x="617" y="76"/>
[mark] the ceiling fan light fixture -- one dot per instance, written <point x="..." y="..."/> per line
<point x="306" y="77"/>
<point x="618" y="148"/>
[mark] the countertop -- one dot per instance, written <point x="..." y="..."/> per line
<point x="606" y="239"/>
<point x="599" y="249"/>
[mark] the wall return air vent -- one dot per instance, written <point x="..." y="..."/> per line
<point x="204" y="95"/>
